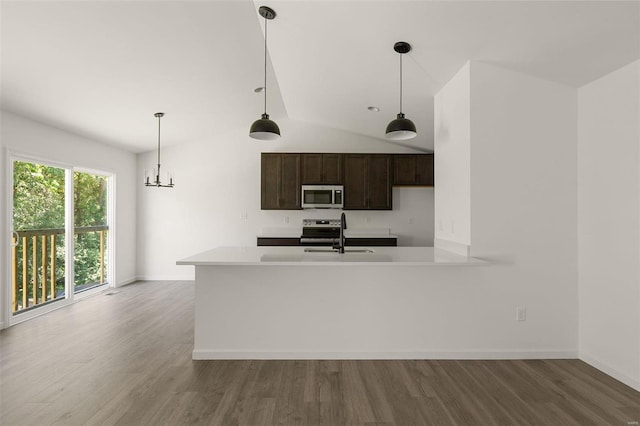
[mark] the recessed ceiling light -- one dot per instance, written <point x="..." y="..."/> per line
<point x="373" y="108"/>
<point x="259" y="89"/>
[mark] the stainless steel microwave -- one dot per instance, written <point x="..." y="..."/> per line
<point x="322" y="196"/>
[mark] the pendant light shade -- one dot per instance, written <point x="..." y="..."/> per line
<point x="401" y="128"/>
<point x="264" y="128"/>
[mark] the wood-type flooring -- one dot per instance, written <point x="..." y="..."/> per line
<point x="124" y="358"/>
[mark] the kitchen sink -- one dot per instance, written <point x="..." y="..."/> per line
<point x="328" y="254"/>
<point x="332" y="250"/>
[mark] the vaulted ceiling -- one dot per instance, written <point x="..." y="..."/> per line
<point x="102" y="69"/>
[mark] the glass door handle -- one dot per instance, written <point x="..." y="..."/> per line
<point x="16" y="242"/>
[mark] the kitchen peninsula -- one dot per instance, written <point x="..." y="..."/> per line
<point x="313" y="303"/>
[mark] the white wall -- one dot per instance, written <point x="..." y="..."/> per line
<point x="523" y="205"/>
<point x="524" y="194"/>
<point x="23" y="136"/>
<point x="453" y="145"/>
<point x="5" y="293"/>
<point x="218" y="180"/>
<point x="609" y="223"/>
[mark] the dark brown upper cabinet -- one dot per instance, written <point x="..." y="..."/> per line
<point x="280" y="181"/>
<point x="321" y="169"/>
<point x="413" y="169"/>
<point x="367" y="181"/>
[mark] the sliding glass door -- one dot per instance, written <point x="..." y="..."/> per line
<point x="60" y="224"/>
<point x="91" y="231"/>
<point x="39" y="235"/>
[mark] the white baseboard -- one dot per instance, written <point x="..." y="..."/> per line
<point x="189" y="277"/>
<point x="201" y="354"/>
<point x="127" y="281"/>
<point x="452" y="246"/>
<point x="627" y="380"/>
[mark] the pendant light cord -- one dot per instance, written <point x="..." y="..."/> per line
<point x="159" y="146"/>
<point x="265" y="65"/>
<point x="401" y="83"/>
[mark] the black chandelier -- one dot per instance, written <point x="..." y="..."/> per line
<point x="156" y="172"/>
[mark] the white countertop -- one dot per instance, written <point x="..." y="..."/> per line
<point x="296" y="256"/>
<point x="348" y="233"/>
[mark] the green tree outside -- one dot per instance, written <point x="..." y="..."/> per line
<point x="39" y="203"/>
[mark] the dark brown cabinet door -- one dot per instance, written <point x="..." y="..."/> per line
<point x="367" y="182"/>
<point x="290" y="199"/>
<point x="311" y="169"/>
<point x="271" y="170"/>
<point x="380" y="175"/>
<point x="280" y="181"/>
<point x="321" y="169"/>
<point x="424" y="170"/>
<point x="404" y="167"/>
<point x="413" y="169"/>
<point x="355" y="182"/>
<point x="332" y="169"/>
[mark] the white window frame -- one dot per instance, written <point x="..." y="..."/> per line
<point x="111" y="211"/>
<point x="70" y="298"/>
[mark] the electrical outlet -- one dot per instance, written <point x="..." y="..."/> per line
<point x="286" y="219"/>
<point x="243" y="215"/>
<point x="521" y="314"/>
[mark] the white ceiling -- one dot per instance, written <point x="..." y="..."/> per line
<point x="102" y="69"/>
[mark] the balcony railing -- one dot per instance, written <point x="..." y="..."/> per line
<point x="36" y="275"/>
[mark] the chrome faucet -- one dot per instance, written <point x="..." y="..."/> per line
<point x="343" y="225"/>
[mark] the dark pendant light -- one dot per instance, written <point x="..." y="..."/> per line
<point x="263" y="128"/>
<point x="401" y="128"/>
<point x="156" y="172"/>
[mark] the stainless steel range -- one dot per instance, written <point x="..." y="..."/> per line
<point x="321" y="232"/>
